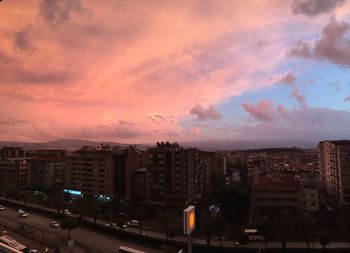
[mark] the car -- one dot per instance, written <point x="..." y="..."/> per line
<point x="2" y="208"/>
<point x="33" y="251"/>
<point x="144" y="234"/>
<point x="66" y="212"/>
<point x="123" y="227"/>
<point x="22" y="214"/>
<point x="133" y="223"/>
<point x="54" y="224"/>
<point x="81" y="217"/>
<point x="112" y="225"/>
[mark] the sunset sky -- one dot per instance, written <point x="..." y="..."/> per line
<point x="149" y="70"/>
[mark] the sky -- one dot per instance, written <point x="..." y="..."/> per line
<point x="187" y="70"/>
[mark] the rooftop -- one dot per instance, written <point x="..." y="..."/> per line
<point x="265" y="183"/>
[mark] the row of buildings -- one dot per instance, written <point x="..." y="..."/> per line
<point x="316" y="178"/>
<point x="166" y="173"/>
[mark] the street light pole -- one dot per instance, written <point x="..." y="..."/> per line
<point x="189" y="245"/>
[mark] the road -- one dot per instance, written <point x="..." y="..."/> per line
<point x="196" y="240"/>
<point x="95" y="241"/>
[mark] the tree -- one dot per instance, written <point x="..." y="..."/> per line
<point x="282" y="222"/>
<point x="234" y="202"/>
<point x="306" y="223"/>
<point x="58" y="197"/>
<point x="324" y="240"/>
<point x="95" y="208"/>
<point x="24" y="195"/>
<point x="213" y="223"/>
<point x="164" y="219"/>
<point x="8" y="189"/>
<point x="40" y="198"/>
<point x="69" y="224"/>
<point x="264" y="224"/>
<point x="140" y="213"/>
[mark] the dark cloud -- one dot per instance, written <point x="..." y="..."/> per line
<point x="333" y="45"/>
<point x="56" y="12"/>
<point x="347" y="99"/>
<point x="315" y="7"/>
<point x="204" y="114"/>
<point x="22" y="42"/>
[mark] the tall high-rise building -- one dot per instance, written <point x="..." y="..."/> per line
<point x="175" y="175"/>
<point x="334" y="171"/>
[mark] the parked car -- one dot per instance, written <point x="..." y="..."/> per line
<point x="254" y="235"/>
<point x="112" y="225"/>
<point x="2" y="208"/>
<point x="133" y="223"/>
<point x="123" y="227"/>
<point x="54" y="224"/>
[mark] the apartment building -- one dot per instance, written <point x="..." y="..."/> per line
<point x="334" y="171"/>
<point x="45" y="171"/>
<point x="126" y="161"/>
<point x="91" y="171"/>
<point x="14" y="170"/>
<point x="175" y="175"/>
<point x="278" y="192"/>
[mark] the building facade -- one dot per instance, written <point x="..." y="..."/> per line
<point x="46" y="171"/>
<point x="175" y="175"/>
<point x="90" y="171"/>
<point x="334" y="171"/>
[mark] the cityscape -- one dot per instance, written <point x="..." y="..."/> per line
<point x="165" y="126"/>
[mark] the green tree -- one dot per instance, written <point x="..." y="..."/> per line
<point x="69" y="224"/>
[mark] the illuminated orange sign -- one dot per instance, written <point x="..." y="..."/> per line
<point x="189" y="220"/>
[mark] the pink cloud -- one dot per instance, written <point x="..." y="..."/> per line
<point x="97" y="63"/>
<point x="204" y="114"/>
<point x="263" y="111"/>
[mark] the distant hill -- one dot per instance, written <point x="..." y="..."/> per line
<point x="245" y="145"/>
<point x="69" y="144"/>
<point x="74" y="144"/>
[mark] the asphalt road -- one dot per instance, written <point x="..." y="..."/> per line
<point x="93" y="240"/>
<point x="225" y="243"/>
